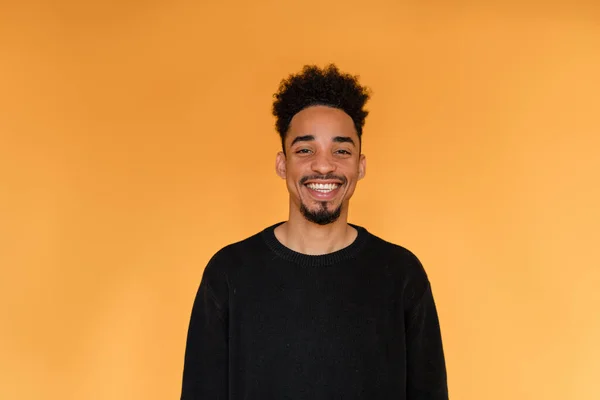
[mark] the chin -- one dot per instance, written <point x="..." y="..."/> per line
<point x="321" y="216"/>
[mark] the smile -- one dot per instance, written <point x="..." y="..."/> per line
<point x="323" y="187"/>
<point x="323" y="191"/>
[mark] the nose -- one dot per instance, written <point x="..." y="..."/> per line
<point x="323" y="164"/>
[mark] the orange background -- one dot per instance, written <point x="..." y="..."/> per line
<point x="137" y="139"/>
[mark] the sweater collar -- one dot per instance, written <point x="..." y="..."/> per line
<point x="348" y="252"/>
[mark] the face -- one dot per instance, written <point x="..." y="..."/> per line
<point x="322" y="163"/>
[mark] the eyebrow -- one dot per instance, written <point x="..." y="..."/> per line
<point x="337" y="139"/>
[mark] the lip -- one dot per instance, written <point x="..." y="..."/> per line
<point x="323" y="181"/>
<point x="320" y="196"/>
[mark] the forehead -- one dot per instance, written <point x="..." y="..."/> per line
<point x="322" y="121"/>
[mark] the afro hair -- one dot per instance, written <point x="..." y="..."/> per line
<point x="315" y="86"/>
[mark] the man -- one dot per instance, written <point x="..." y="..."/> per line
<point x="315" y="307"/>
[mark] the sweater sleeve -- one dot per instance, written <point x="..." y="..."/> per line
<point x="426" y="368"/>
<point x="205" y="370"/>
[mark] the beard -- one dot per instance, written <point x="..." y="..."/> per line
<point x="321" y="216"/>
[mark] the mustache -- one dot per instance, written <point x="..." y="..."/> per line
<point x="323" y="177"/>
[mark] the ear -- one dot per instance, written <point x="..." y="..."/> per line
<point x="280" y="165"/>
<point x="362" y="166"/>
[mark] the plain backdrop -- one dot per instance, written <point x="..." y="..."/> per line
<point x="136" y="139"/>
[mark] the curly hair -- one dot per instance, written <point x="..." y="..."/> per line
<point x="315" y="86"/>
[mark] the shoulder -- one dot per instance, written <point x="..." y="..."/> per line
<point x="233" y="253"/>
<point x="397" y="256"/>
<point x="236" y="254"/>
<point x="222" y="265"/>
<point x="403" y="264"/>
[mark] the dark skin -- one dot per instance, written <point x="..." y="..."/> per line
<point x="321" y="143"/>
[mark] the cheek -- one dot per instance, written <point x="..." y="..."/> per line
<point x="295" y="172"/>
<point x="292" y="183"/>
<point x="350" y="191"/>
<point x="352" y="174"/>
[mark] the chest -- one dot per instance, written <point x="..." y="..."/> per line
<point x="331" y="309"/>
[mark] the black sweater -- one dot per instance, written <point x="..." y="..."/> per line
<point x="271" y="323"/>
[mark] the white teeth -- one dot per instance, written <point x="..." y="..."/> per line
<point x="323" y="187"/>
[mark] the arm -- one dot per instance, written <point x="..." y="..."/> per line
<point x="205" y="371"/>
<point x="426" y="367"/>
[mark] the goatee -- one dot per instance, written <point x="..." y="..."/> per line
<point x="322" y="216"/>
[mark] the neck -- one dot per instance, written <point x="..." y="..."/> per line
<point x="306" y="237"/>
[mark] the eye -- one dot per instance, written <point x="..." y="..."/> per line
<point x="342" y="151"/>
<point x="302" y="151"/>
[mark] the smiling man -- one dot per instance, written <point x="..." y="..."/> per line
<point x="315" y="307"/>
